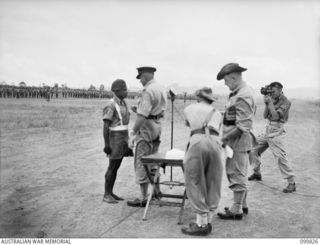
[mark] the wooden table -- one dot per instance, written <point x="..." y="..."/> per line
<point x="160" y="160"/>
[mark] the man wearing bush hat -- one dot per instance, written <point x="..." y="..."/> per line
<point x="237" y="126"/>
<point x="203" y="161"/>
<point x="146" y="131"/>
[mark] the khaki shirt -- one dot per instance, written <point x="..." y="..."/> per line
<point x="153" y="102"/>
<point x="110" y="113"/>
<point x="240" y="110"/>
<point x="196" y="114"/>
<point x="282" y="106"/>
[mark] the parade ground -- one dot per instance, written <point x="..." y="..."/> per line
<point x="52" y="170"/>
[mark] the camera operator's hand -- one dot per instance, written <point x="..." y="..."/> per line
<point x="224" y="141"/>
<point x="267" y="99"/>
<point x="107" y="150"/>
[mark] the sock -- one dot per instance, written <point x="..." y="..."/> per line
<point x="244" y="202"/>
<point x="237" y="202"/>
<point x="210" y="216"/>
<point x="202" y="220"/>
<point x="144" y="191"/>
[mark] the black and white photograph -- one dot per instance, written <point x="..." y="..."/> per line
<point x="155" y="119"/>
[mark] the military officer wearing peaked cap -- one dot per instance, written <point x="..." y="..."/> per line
<point x="147" y="128"/>
<point x="237" y="126"/>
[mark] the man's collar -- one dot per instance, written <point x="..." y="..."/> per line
<point x="117" y="100"/>
<point x="236" y="90"/>
<point x="148" y="83"/>
<point x="281" y="97"/>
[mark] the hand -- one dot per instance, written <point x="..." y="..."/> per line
<point x="134" y="108"/>
<point x="224" y="141"/>
<point x="132" y="138"/>
<point x="128" y="152"/>
<point x="107" y="150"/>
<point x="267" y="99"/>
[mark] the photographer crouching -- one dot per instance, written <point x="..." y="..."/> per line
<point x="276" y="112"/>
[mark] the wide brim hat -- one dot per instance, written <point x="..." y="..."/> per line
<point x="229" y="68"/>
<point x="206" y="93"/>
<point x="145" y="69"/>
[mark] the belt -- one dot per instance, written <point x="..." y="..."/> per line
<point x="154" y="117"/>
<point x="202" y="131"/>
<point x="119" y="128"/>
<point x="275" y="123"/>
<point x="229" y="122"/>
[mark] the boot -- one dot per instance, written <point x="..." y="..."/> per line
<point x="195" y="230"/>
<point x="144" y="196"/>
<point x="230" y="215"/>
<point x="255" y="176"/>
<point x="291" y="187"/>
<point x="244" y="210"/>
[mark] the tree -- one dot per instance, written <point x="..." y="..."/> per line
<point x="101" y="87"/>
<point x="92" y="87"/>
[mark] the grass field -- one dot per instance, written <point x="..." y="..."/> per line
<point x="52" y="177"/>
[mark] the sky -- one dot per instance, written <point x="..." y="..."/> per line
<point x="84" y="42"/>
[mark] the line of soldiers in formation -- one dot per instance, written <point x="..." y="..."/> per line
<point x="46" y="92"/>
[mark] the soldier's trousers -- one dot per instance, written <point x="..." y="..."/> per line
<point x="236" y="170"/>
<point x="203" y="174"/>
<point x="144" y="148"/>
<point x="278" y="150"/>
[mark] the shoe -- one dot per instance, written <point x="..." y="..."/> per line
<point x="116" y="197"/>
<point x="210" y="227"/>
<point x="137" y="203"/>
<point x="109" y="199"/>
<point x="156" y="195"/>
<point x="290" y="188"/>
<point x="257" y="177"/>
<point x="244" y="210"/>
<point x="195" y="230"/>
<point x="229" y="215"/>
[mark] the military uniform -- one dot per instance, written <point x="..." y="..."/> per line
<point x="237" y="127"/>
<point x="151" y="105"/>
<point x="147" y="129"/>
<point x="273" y="139"/>
<point x="203" y="162"/>
<point x="240" y="110"/>
<point x="116" y="119"/>
<point x="119" y="126"/>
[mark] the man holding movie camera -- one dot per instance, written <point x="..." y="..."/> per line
<point x="276" y="112"/>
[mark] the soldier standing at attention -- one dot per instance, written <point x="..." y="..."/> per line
<point x="115" y="132"/>
<point x="276" y="112"/>
<point x="147" y="128"/>
<point x="237" y="126"/>
<point x="203" y="162"/>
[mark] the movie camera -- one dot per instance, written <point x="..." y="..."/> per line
<point x="266" y="90"/>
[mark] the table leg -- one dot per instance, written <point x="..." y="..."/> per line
<point x="152" y="182"/>
<point x="182" y="207"/>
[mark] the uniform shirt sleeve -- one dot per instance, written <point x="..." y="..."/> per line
<point x="283" y="109"/>
<point x="145" y="105"/>
<point x="244" y="115"/>
<point x="108" y="112"/>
